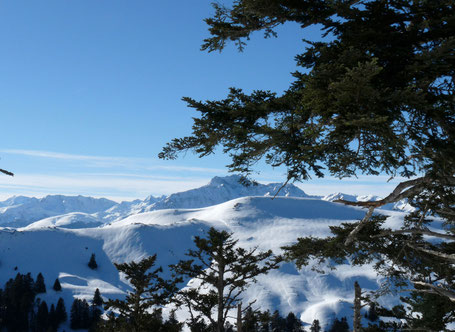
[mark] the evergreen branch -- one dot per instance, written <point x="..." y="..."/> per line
<point x="416" y="231"/>
<point x="434" y="253"/>
<point x="397" y="194"/>
<point x="6" y="172"/>
<point x="350" y="238"/>
<point x="436" y="290"/>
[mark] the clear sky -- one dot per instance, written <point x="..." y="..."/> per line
<point x="90" y="91"/>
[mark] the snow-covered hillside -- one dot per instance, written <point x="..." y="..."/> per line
<point x="80" y="212"/>
<point x="255" y="221"/>
<point x="20" y="211"/>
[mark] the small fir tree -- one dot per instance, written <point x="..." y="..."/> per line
<point x="315" y="327"/>
<point x="97" y="299"/>
<point x="42" y="317"/>
<point x="149" y="290"/>
<point x="92" y="262"/>
<point x="225" y="269"/>
<point x="40" y="287"/>
<point x="60" y="311"/>
<point x="57" y="287"/>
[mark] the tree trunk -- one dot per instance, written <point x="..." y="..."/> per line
<point x="239" y="317"/>
<point x="220" y="289"/>
<point x="357" y="306"/>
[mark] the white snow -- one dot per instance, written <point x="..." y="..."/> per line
<point x="61" y="245"/>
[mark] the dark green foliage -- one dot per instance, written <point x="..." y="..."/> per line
<point x="429" y="311"/>
<point x="315" y="326"/>
<point x="172" y="324"/>
<point x="19" y="311"/>
<point x="40" y="287"/>
<point x="374" y="97"/>
<point x="97" y="299"/>
<point x="60" y="311"/>
<point x="42" y="317"/>
<point x="293" y="324"/>
<point x="92" y="262"/>
<point x="80" y="315"/>
<point x="149" y="292"/>
<point x="17" y="299"/>
<point x="57" y="287"/>
<point x="277" y="322"/>
<point x="250" y="321"/>
<point x="339" y="325"/>
<point x="218" y="263"/>
<point x="372" y="314"/>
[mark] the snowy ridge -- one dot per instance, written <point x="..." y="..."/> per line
<point x="20" y="211"/>
<point x="255" y="221"/>
<point x="222" y="189"/>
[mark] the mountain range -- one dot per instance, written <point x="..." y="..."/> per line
<point x="56" y="235"/>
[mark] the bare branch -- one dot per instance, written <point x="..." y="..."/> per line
<point x="416" y="231"/>
<point x="434" y="253"/>
<point x="284" y="185"/>
<point x="6" y="172"/>
<point x="359" y="227"/>
<point x="397" y="194"/>
<point x="436" y="289"/>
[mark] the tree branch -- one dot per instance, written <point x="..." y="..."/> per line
<point x="359" y="227"/>
<point x="6" y="172"/>
<point x="437" y="290"/>
<point x="416" y="231"/>
<point x="397" y="194"/>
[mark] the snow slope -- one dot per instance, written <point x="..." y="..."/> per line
<point x="20" y="211"/>
<point x="255" y="221"/>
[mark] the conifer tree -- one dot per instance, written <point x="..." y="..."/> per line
<point x="57" y="287"/>
<point x="92" y="262"/>
<point x="97" y="299"/>
<point x="277" y="322"/>
<point x="60" y="311"/>
<point x="42" y="317"/>
<point x="340" y="325"/>
<point x="172" y="324"/>
<point x="52" y="320"/>
<point x="140" y="309"/>
<point x="225" y="269"/>
<point x="293" y="324"/>
<point x="376" y="98"/>
<point x="315" y="326"/>
<point x="40" y="287"/>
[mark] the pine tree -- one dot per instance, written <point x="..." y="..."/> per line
<point x="92" y="263"/>
<point x="315" y="326"/>
<point x="52" y="320"/>
<point x="60" y="311"/>
<point x="172" y="324"/>
<point x="97" y="299"/>
<point x="376" y="98"/>
<point x="277" y="322"/>
<point x="339" y="325"/>
<point x="57" y="287"/>
<point x="293" y="324"/>
<point x="149" y="290"/>
<point x="372" y="314"/>
<point x="80" y="315"/>
<point x="42" y="317"/>
<point x="40" y="287"/>
<point x="226" y="269"/>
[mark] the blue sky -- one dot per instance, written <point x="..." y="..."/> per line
<point x="90" y="91"/>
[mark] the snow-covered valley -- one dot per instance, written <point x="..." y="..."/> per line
<point x="58" y="240"/>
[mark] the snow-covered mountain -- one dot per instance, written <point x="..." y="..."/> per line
<point x="20" y="211"/>
<point x="81" y="212"/>
<point x="255" y="221"/>
<point x="222" y="189"/>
